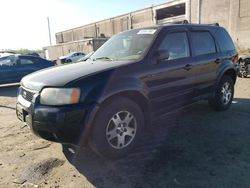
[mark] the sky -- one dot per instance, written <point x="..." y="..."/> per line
<point x="24" y="22"/>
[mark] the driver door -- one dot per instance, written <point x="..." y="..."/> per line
<point x="171" y="83"/>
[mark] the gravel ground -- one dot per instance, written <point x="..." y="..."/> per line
<point x="195" y="147"/>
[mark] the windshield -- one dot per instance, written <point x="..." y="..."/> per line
<point x="130" y="45"/>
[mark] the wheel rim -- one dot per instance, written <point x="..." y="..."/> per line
<point x="243" y="72"/>
<point x="226" y="93"/>
<point x="121" y="129"/>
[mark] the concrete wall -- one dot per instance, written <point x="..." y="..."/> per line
<point x="121" y="23"/>
<point x="240" y="25"/>
<point x="234" y="15"/>
<point x="112" y="26"/>
<point x="142" y="18"/>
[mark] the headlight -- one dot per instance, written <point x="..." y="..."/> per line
<point x="60" y="96"/>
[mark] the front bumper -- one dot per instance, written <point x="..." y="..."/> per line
<point x="64" y="124"/>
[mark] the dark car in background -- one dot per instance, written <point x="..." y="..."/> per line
<point x="14" y="67"/>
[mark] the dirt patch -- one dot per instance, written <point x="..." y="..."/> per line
<point x="39" y="171"/>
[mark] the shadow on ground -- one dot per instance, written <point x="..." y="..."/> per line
<point x="196" y="147"/>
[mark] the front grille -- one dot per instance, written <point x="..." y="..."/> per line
<point x="27" y="95"/>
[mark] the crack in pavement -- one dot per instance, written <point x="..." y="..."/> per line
<point x="11" y="108"/>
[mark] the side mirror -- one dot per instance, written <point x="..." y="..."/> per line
<point x="162" y="55"/>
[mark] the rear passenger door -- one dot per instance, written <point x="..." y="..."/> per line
<point x="205" y="61"/>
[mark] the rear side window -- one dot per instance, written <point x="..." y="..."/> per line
<point x="176" y="44"/>
<point x="26" y="61"/>
<point x="224" y="40"/>
<point x="203" y="43"/>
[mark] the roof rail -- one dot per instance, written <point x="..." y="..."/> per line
<point x="215" y="24"/>
<point x="176" y="22"/>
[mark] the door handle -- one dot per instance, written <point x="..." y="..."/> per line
<point x="217" y="61"/>
<point x="187" y="67"/>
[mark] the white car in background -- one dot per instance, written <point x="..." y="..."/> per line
<point x="72" y="57"/>
<point x="5" y="54"/>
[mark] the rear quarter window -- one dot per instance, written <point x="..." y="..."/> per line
<point x="224" y="40"/>
<point x="202" y="43"/>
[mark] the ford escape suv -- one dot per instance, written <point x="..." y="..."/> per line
<point x="135" y="79"/>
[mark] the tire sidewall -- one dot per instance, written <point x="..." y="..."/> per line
<point x="98" y="140"/>
<point x="218" y="101"/>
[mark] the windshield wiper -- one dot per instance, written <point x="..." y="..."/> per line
<point x="105" y="58"/>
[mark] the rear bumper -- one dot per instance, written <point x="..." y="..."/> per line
<point x="64" y="124"/>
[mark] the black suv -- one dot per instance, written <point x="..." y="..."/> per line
<point x="134" y="80"/>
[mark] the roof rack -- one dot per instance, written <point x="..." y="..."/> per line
<point x="215" y="24"/>
<point x="186" y="22"/>
<point x="176" y="22"/>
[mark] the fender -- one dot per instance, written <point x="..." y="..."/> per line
<point x="123" y="85"/>
<point x="227" y="65"/>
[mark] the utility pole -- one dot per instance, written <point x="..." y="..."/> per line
<point x="49" y="31"/>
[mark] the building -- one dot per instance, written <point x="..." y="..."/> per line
<point x="234" y="15"/>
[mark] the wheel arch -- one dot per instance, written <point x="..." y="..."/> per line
<point x="135" y="96"/>
<point x="231" y="73"/>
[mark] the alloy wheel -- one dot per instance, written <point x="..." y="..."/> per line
<point x="121" y="129"/>
<point x="226" y="93"/>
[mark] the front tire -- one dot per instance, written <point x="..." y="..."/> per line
<point x="224" y="93"/>
<point x="117" y="128"/>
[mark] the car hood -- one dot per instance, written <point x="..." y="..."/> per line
<point x="61" y="75"/>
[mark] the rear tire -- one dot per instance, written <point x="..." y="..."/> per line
<point x="224" y="93"/>
<point x="117" y="128"/>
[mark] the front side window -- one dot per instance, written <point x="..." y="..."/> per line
<point x="176" y="44"/>
<point x="203" y="43"/>
<point x="130" y="45"/>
